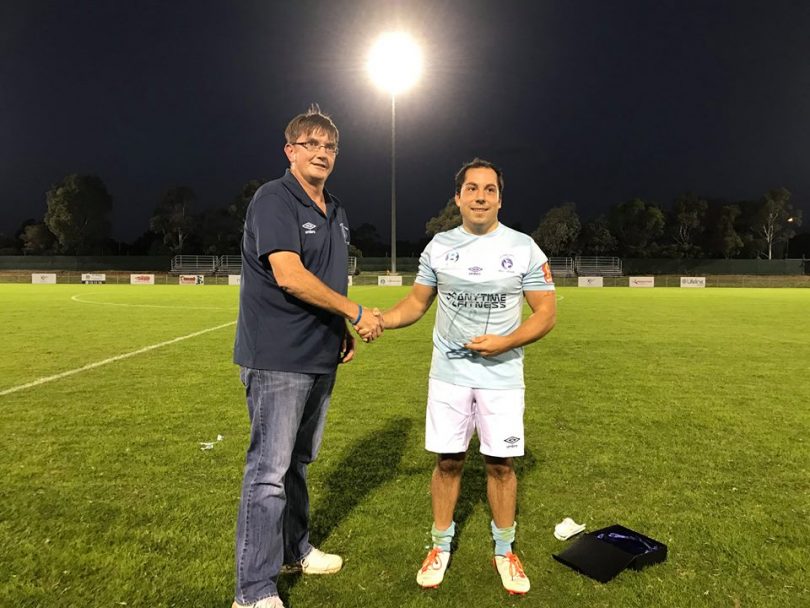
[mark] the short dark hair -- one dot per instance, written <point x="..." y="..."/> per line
<point x="478" y="163"/>
<point x="311" y="120"/>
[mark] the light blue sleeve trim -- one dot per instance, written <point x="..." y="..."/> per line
<point x="535" y="277"/>
<point x="426" y="275"/>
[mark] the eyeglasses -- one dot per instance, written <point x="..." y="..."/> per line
<point x="314" y="146"/>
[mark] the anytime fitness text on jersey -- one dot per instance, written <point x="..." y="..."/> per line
<point x="476" y="300"/>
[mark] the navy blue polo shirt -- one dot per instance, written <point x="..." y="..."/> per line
<point x="277" y="331"/>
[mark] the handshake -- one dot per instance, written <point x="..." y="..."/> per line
<point x="369" y="324"/>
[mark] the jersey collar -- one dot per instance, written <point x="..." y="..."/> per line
<point x="302" y="197"/>
<point x="482" y="236"/>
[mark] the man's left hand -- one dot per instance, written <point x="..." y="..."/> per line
<point x="488" y="345"/>
<point x="347" y="347"/>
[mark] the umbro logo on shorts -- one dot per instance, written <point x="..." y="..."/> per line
<point x="512" y="441"/>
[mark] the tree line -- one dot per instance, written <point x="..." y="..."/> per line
<point x="76" y="222"/>
<point x="693" y="227"/>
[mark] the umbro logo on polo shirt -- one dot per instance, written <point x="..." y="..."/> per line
<point x="309" y="228"/>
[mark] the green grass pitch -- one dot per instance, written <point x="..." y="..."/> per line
<point x="680" y="413"/>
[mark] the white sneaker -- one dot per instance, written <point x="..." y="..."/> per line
<point x="318" y="562"/>
<point x="268" y="602"/>
<point x="567" y="528"/>
<point x="431" y="574"/>
<point x="513" y="577"/>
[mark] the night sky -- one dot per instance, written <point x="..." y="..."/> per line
<point x="593" y="102"/>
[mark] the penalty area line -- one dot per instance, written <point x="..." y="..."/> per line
<point x="89" y="366"/>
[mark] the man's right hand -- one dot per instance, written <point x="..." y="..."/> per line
<point x="370" y="326"/>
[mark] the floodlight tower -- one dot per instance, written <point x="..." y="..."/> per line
<point x="790" y="220"/>
<point x="394" y="64"/>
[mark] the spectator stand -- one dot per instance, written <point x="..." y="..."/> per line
<point x="598" y="266"/>
<point x="562" y="267"/>
<point x="229" y="264"/>
<point x="194" y="264"/>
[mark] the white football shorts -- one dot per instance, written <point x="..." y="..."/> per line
<point x="454" y="412"/>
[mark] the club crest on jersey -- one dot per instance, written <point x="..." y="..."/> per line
<point x="451" y="256"/>
<point x="474" y="270"/>
<point x="309" y="228"/>
<point x="507" y="262"/>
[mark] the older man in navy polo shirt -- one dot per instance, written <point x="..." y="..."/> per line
<point x="291" y="335"/>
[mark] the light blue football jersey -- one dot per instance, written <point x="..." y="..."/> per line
<point x="480" y="282"/>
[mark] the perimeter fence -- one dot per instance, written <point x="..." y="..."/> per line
<point x="666" y="272"/>
<point x="371" y="278"/>
<point x="80" y="263"/>
<point x="712" y="280"/>
<point x="613" y="266"/>
<point x="114" y="277"/>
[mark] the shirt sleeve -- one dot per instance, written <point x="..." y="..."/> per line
<point x="426" y="275"/>
<point x="538" y="276"/>
<point x="275" y="226"/>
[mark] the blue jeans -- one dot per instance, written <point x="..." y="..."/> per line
<point x="287" y="414"/>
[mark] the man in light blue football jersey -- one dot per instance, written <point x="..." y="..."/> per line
<point x="481" y="273"/>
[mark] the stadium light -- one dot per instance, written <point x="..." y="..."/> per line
<point x="790" y="220"/>
<point x="394" y="64"/>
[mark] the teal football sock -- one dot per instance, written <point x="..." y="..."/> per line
<point x="443" y="538"/>
<point x="503" y="537"/>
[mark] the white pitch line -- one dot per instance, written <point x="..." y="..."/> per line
<point x="77" y="298"/>
<point x="39" y="381"/>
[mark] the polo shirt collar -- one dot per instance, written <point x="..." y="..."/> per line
<point x="298" y="192"/>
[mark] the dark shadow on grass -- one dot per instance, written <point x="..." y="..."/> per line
<point x="474" y="487"/>
<point x="370" y="462"/>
